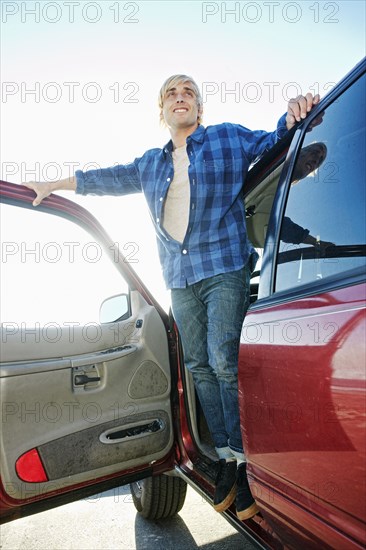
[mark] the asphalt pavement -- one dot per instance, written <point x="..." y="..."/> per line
<point x="109" y="521"/>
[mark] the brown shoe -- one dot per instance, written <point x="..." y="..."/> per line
<point x="225" y="482"/>
<point x="246" y="506"/>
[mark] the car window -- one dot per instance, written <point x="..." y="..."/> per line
<point x="52" y="271"/>
<point x="323" y="230"/>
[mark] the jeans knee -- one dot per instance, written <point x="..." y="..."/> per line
<point x="228" y="376"/>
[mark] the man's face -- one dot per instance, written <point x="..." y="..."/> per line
<point x="310" y="158"/>
<point x="180" y="108"/>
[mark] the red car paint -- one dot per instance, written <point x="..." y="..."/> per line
<point x="302" y="397"/>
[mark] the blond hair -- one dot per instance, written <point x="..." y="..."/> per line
<point x="172" y="82"/>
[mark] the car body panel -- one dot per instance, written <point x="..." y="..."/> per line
<point x="303" y="408"/>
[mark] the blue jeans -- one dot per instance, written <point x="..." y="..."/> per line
<point x="209" y="315"/>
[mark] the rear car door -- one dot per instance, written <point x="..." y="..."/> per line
<point x="302" y="359"/>
<point x="86" y="402"/>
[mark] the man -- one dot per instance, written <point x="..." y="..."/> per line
<point x="194" y="189"/>
<point x="308" y="161"/>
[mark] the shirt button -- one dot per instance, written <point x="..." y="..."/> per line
<point x="168" y="179"/>
<point x="194" y="182"/>
<point x="192" y="205"/>
<point x="184" y="251"/>
<point x="157" y="220"/>
<point x="161" y="199"/>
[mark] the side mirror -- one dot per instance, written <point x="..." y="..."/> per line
<point x="115" y="308"/>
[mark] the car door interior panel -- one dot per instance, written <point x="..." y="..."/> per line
<point x="87" y="413"/>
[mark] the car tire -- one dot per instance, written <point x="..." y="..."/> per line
<point x="159" y="497"/>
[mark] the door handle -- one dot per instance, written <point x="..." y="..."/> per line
<point x="82" y="379"/>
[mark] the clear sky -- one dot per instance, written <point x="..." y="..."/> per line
<point x="80" y="82"/>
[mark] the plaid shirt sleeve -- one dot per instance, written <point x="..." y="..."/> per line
<point x="115" y="180"/>
<point x="256" y="142"/>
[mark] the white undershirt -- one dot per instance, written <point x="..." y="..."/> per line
<point x="176" y="207"/>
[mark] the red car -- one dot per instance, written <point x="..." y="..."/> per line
<point x="91" y="403"/>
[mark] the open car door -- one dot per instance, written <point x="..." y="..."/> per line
<point x="86" y="402"/>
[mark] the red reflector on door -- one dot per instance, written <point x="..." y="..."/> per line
<point x="29" y="467"/>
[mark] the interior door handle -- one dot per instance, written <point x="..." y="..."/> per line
<point x="82" y="379"/>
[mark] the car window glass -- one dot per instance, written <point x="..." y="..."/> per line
<point x="323" y="230"/>
<point x="52" y="271"/>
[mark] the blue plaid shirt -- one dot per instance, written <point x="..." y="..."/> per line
<point x="216" y="240"/>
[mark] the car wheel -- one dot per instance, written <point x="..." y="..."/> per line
<point x="159" y="497"/>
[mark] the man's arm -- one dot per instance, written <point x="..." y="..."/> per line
<point x="115" y="180"/>
<point x="293" y="233"/>
<point x="256" y="142"/>
<point x="44" y="189"/>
